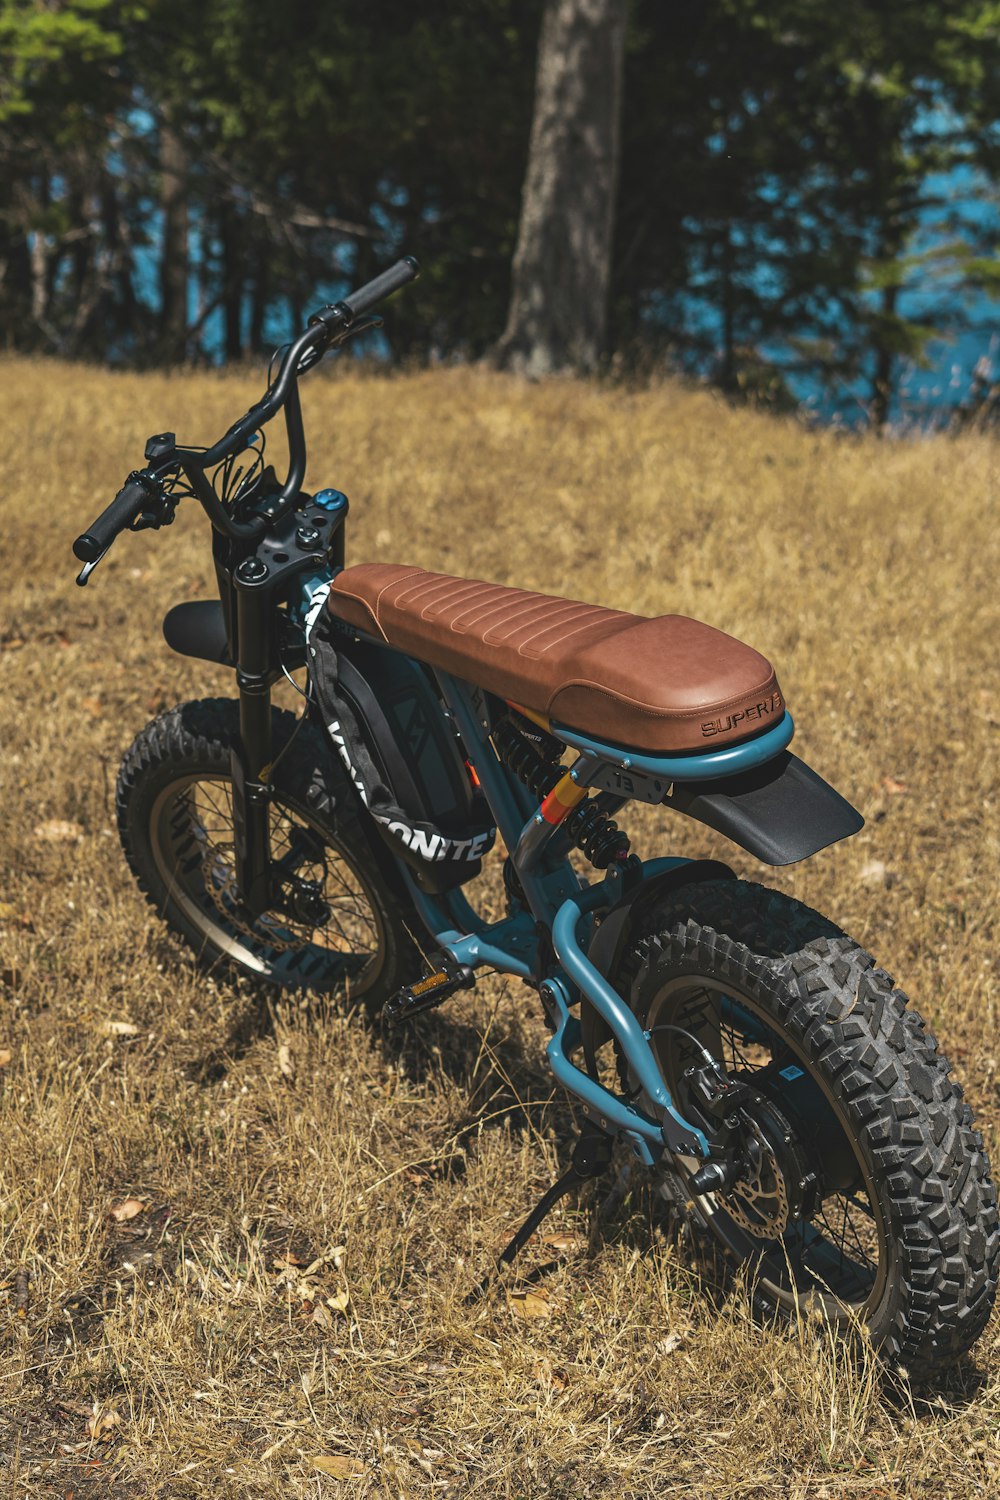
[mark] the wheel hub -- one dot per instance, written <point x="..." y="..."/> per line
<point x="306" y="903"/>
<point x="777" y="1186"/>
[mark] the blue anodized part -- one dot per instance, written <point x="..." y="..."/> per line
<point x="680" y="1135"/>
<point x="729" y="761"/>
<point x="330" y="500"/>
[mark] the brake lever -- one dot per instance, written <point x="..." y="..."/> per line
<point x="83" y="577"/>
<point x="161" y="514"/>
<point x="361" y="325"/>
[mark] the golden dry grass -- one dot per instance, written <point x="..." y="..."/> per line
<point x="867" y="571"/>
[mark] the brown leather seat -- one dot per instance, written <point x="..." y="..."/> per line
<point x="660" y="685"/>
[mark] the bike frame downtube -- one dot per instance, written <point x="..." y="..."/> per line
<point x="545" y="885"/>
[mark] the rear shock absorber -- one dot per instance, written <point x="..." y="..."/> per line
<point x="589" y="829"/>
<point x="539" y="772"/>
<point x="597" y="835"/>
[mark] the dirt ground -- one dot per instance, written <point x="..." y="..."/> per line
<point x="283" y="1313"/>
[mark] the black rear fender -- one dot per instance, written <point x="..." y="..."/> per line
<point x="780" y="812"/>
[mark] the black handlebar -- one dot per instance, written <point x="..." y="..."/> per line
<point x="129" y="503"/>
<point x="382" y="286"/>
<point x="324" y="327"/>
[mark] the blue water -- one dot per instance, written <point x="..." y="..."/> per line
<point x="926" y="392"/>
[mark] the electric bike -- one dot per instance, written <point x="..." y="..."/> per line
<point x="758" y="1063"/>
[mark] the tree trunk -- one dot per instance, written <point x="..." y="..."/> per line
<point x="885" y="364"/>
<point x="559" y="293"/>
<point x="259" y="301"/>
<point x="232" y="281"/>
<point x="174" y="261"/>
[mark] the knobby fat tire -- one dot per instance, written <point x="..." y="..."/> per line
<point x="906" y="1114"/>
<point x="196" y="738"/>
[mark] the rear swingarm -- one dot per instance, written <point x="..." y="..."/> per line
<point x="511" y="947"/>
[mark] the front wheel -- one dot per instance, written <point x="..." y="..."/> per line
<point x="344" y="925"/>
<point x="867" y="1194"/>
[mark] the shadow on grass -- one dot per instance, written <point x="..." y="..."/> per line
<point x="519" y="1096"/>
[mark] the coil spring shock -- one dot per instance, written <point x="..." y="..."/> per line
<point x="597" y="835"/>
<point x="538" y="772"/>
<point x="592" y="831"/>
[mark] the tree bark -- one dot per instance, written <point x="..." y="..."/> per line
<point x="885" y="364"/>
<point x="558" y="308"/>
<point x="174" y="261"/>
<point x="232" y="281"/>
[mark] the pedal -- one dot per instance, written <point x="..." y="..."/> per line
<point x="434" y="988"/>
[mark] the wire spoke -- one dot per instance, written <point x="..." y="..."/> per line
<point x="200" y="823"/>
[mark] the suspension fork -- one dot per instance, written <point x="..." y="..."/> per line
<point x="293" y="558"/>
<point x="251" y="757"/>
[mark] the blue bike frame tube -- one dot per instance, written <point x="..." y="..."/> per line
<point x="679" y="1135"/>
<point x="544" y="889"/>
<point x="699" y="767"/>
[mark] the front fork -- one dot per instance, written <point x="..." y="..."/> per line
<point x="291" y="563"/>
<point x="251" y="756"/>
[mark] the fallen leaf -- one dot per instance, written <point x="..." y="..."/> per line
<point x="337" y="1465"/>
<point x="892" y="786"/>
<point x="530" y="1304"/>
<point x="670" y="1343"/>
<point x="11" y="917"/>
<point x="564" y="1241"/>
<point x="322" y="1316"/>
<point x="127" y="1209"/>
<point x="118" y="1028"/>
<point x="6" y="1056"/>
<point x="58" y="831"/>
<point x="340" y="1301"/>
<point x="94" y="707"/>
<point x="286" y="1062"/>
<point x="874" y="873"/>
<point x="102" y="1421"/>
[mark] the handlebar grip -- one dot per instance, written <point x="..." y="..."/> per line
<point x="407" y="269"/>
<point x="130" y="501"/>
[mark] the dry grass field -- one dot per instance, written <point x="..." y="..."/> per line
<point x="283" y="1316"/>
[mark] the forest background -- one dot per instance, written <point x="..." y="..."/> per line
<point x="792" y="200"/>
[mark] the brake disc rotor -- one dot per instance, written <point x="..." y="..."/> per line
<point x="778" y="1186"/>
<point x="219" y="874"/>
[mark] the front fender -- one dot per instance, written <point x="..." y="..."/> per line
<point x="198" y="628"/>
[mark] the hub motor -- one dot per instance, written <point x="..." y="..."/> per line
<point x="778" y="1186"/>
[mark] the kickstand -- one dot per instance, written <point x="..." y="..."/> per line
<point x="591" y="1157"/>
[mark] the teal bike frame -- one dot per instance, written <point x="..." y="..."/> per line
<point x="560" y="903"/>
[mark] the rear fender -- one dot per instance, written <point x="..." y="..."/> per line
<point x="780" y="812"/>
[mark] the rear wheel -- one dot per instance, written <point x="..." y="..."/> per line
<point x="867" y="1194"/>
<point x="341" y="927"/>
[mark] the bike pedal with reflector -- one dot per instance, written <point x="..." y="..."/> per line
<point x="448" y="976"/>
